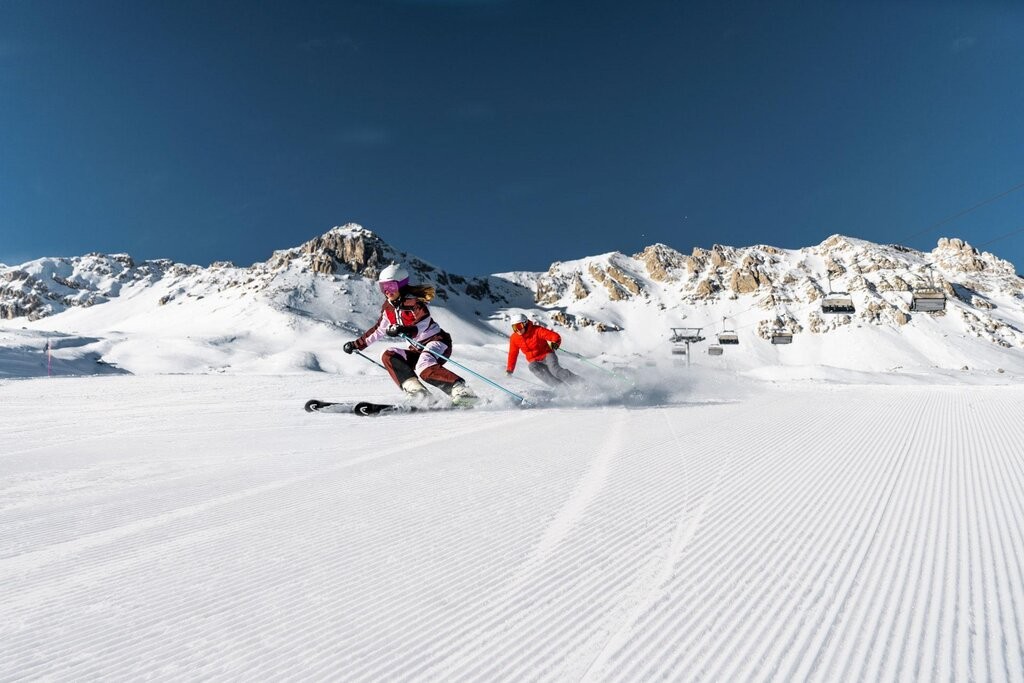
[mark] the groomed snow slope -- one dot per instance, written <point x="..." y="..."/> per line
<point x="189" y="527"/>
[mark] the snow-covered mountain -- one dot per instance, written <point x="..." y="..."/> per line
<point x="107" y="313"/>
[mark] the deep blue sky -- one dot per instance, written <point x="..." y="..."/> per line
<point x="487" y="136"/>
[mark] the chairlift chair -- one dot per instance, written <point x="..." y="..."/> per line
<point x="837" y="302"/>
<point x="927" y="300"/>
<point x="728" y="337"/>
<point x="714" y="350"/>
<point x="782" y="337"/>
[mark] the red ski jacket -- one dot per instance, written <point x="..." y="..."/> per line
<point x="533" y="342"/>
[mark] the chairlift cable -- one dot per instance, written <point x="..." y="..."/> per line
<point x="1001" y="237"/>
<point x="952" y="218"/>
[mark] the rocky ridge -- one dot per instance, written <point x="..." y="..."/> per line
<point x="48" y="286"/>
<point x="788" y="286"/>
<point x="773" y="289"/>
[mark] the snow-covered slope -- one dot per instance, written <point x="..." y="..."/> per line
<point x="293" y="312"/>
<point x="195" y="527"/>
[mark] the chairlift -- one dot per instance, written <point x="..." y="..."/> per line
<point x="837" y="302"/>
<point x="782" y="337"/>
<point x="728" y="337"/>
<point x="714" y="350"/>
<point x="927" y="300"/>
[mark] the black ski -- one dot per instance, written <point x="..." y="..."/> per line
<point x="366" y="408"/>
<point x="313" y="405"/>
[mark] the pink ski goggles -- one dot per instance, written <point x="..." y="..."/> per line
<point x="391" y="286"/>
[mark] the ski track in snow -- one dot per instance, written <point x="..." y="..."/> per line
<point x="803" y="533"/>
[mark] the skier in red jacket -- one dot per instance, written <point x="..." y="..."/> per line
<point x="404" y="312"/>
<point x="538" y="344"/>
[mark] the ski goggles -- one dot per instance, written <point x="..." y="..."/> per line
<point x="519" y="327"/>
<point x="390" y="286"/>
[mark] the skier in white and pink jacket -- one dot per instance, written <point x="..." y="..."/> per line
<point x="405" y="312"/>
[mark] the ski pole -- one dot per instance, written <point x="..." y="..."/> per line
<point x="532" y="383"/>
<point x="588" y="362"/>
<point x="379" y="365"/>
<point x="460" y="365"/>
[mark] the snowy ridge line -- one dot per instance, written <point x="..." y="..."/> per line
<point x="571" y="563"/>
<point x="712" y="591"/>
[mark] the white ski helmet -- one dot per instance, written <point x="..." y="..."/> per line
<point x="394" y="273"/>
<point x="519" y="319"/>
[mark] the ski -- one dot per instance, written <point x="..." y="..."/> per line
<point x="314" y="405"/>
<point x="367" y="408"/>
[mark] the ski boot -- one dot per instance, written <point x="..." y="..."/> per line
<point x="463" y="396"/>
<point x="416" y="392"/>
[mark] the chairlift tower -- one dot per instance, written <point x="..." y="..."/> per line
<point x="687" y="336"/>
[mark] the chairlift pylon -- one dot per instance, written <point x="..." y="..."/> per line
<point x="681" y="339"/>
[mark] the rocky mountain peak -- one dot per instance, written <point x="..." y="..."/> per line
<point x="661" y="261"/>
<point x="956" y="255"/>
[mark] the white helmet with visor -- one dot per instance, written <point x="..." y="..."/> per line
<point x="392" y="279"/>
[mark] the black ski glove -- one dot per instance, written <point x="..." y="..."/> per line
<point x="349" y="347"/>
<point x="396" y="330"/>
<point x="553" y="345"/>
